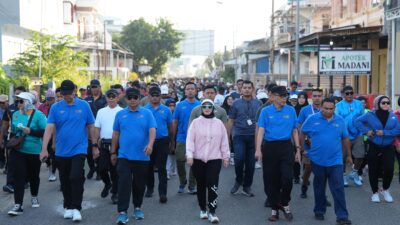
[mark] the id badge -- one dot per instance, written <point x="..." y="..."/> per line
<point x="249" y="122"/>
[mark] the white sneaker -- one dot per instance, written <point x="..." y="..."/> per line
<point x="375" y="198"/>
<point x="387" y="196"/>
<point x="258" y="165"/>
<point x="76" y="217"/>
<point x="52" y="177"/>
<point x="213" y="218"/>
<point x="203" y="215"/>
<point x="68" y="213"/>
<point x="35" y="202"/>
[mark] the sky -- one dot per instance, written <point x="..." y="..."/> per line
<point x="233" y="21"/>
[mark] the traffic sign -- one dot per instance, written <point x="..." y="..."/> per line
<point x="393" y="14"/>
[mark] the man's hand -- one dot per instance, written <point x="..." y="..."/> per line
<point x="379" y="132"/>
<point x="349" y="160"/>
<point x="113" y="159"/>
<point x="370" y="133"/>
<point x="148" y="150"/>
<point x="43" y="154"/>
<point x="258" y="155"/>
<point x="226" y="163"/>
<point x="189" y="161"/>
<point x="95" y="152"/>
<point x="297" y="156"/>
<point x="172" y="147"/>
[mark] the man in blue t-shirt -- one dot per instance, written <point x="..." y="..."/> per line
<point x="71" y="118"/>
<point x="158" y="158"/>
<point x="326" y="132"/>
<point x="180" y="126"/>
<point x="134" y="134"/>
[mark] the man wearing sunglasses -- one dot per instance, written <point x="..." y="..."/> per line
<point x="350" y="109"/>
<point x="159" y="156"/>
<point x="96" y="101"/>
<point x="134" y="132"/>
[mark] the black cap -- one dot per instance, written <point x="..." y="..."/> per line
<point x="280" y="90"/>
<point x="155" y="90"/>
<point x="67" y="87"/>
<point x="112" y="91"/>
<point x="132" y="92"/>
<point x="94" y="82"/>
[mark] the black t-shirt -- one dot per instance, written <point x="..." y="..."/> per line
<point x="96" y="105"/>
<point x="9" y="112"/>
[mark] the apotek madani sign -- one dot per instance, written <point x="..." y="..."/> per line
<point x="346" y="62"/>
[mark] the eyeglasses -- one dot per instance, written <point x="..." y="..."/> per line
<point x="349" y="93"/>
<point x="317" y="96"/>
<point x="130" y="97"/>
<point x="111" y="96"/>
<point x="19" y="101"/>
<point x="155" y="95"/>
<point x="207" y="106"/>
<point x="94" y="86"/>
<point x="385" y="103"/>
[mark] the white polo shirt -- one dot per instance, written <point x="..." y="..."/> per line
<point x="105" y="121"/>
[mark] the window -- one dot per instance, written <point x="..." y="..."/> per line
<point x="68" y="15"/>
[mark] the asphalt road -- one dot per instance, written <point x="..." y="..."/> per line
<point x="182" y="209"/>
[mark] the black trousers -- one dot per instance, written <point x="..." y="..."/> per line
<point x="296" y="167"/>
<point x="107" y="171"/>
<point x="380" y="158"/>
<point x="132" y="176"/>
<point x="27" y="168"/>
<point x="3" y="152"/>
<point x="158" y="159"/>
<point x="72" y="179"/>
<point x="10" y="166"/>
<point x="207" y="178"/>
<point x="278" y="159"/>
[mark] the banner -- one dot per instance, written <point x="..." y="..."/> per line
<point x="346" y="62"/>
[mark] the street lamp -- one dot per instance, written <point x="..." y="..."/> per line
<point x="331" y="77"/>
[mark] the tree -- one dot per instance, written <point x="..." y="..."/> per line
<point x="59" y="61"/>
<point x="156" y="44"/>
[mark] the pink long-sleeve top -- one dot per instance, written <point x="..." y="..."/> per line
<point x="207" y="140"/>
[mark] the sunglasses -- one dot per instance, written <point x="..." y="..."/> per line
<point x="349" y="93"/>
<point x="111" y="96"/>
<point x="385" y="103"/>
<point x="207" y="106"/>
<point x="2" y="103"/>
<point x="130" y="97"/>
<point x="50" y="98"/>
<point x="94" y="86"/>
<point x="19" y="101"/>
<point x="155" y="95"/>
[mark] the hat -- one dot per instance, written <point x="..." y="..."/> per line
<point x="67" y="87"/>
<point x="164" y="89"/>
<point x="207" y="101"/>
<point x="3" y="98"/>
<point x="262" y="95"/>
<point x="112" y="91"/>
<point x="26" y="96"/>
<point x="50" y="94"/>
<point x="131" y="92"/>
<point x="293" y="97"/>
<point x="82" y="88"/>
<point x="280" y="90"/>
<point x="94" y="82"/>
<point x="155" y="90"/>
<point x="169" y="101"/>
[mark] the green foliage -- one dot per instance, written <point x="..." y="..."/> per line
<point x="228" y="74"/>
<point x="59" y="60"/>
<point x="156" y="44"/>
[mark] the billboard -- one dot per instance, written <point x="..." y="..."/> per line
<point x="344" y="62"/>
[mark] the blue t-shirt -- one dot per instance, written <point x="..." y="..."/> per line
<point x="71" y="122"/>
<point x="278" y="125"/>
<point x="304" y="114"/>
<point x="182" y="115"/>
<point x="163" y="118"/>
<point x="243" y="111"/>
<point x="350" y="112"/>
<point x="133" y="128"/>
<point x="326" y="139"/>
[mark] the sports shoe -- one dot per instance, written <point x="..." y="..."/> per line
<point x="122" y="218"/>
<point x="52" y="177"/>
<point x="163" y="199"/>
<point x="345" y="180"/>
<point x="203" y="215"/>
<point x="274" y="216"/>
<point x="343" y="222"/>
<point x="247" y="191"/>
<point x="114" y="199"/>
<point x="213" y="218"/>
<point x="16" y="210"/>
<point x="356" y="179"/>
<point x="106" y="190"/>
<point x="375" y="198"/>
<point x="286" y="212"/>
<point x="257" y="165"/>
<point x="8" y="188"/>
<point x="181" y="188"/>
<point x="138" y="214"/>
<point x="235" y="188"/>
<point x="149" y="193"/>
<point x="68" y="213"/>
<point x="76" y="215"/>
<point x="35" y="202"/>
<point x="387" y="196"/>
<point x="192" y="190"/>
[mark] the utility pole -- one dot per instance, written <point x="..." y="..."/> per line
<point x="297" y="62"/>
<point x="272" y="47"/>
<point x="105" y="50"/>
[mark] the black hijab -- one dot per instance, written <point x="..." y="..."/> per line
<point x="212" y="115"/>
<point x="382" y="115"/>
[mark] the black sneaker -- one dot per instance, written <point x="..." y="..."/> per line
<point x="163" y="199"/>
<point x="247" y="191"/>
<point x="106" y="190"/>
<point x="303" y="191"/>
<point x="296" y="180"/>
<point x="235" y="188"/>
<point x="114" y="198"/>
<point x="343" y="222"/>
<point x="90" y="174"/>
<point x="16" y="210"/>
<point x="319" y="216"/>
<point x="8" y="188"/>
<point x="149" y="193"/>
